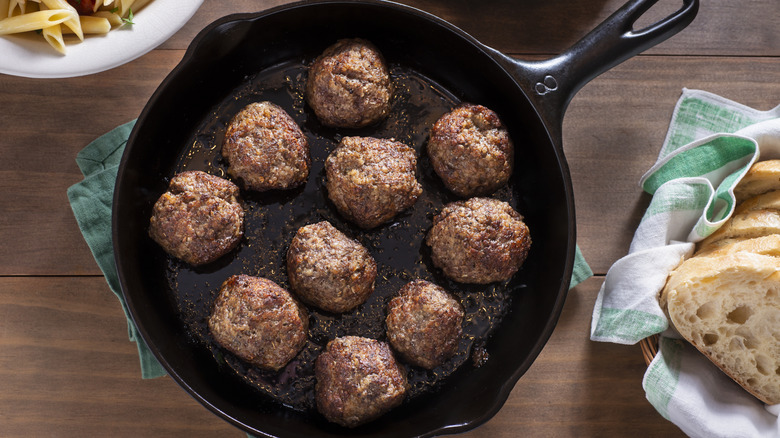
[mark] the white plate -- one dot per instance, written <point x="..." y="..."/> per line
<point x="29" y="55"/>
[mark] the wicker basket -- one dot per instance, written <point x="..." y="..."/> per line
<point x="649" y="346"/>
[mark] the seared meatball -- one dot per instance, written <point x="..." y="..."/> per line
<point x="471" y="151"/>
<point x="371" y="180"/>
<point x="479" y="240"/>
<point x="258" y="321"/>
<point x="358" y="379"/>
<point x="329" y="270"/>
<point x="265" y="149"/>
<point x="198" y="219"/>
<point x="424" y="324"/>
<point x="349" y="85"/>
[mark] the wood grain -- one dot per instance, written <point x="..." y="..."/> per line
<point x="68" y="369"/>
<point x="721" y="28"/>
<point x="37" y="226"/>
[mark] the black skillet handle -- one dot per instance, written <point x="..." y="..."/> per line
<point x="551" y="84"/>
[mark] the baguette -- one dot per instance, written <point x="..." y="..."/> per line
<point x="745" y="224"/>
<point x="765" y="201"/>
<point x="762" y="177"/>
<point x="725" y="300"/>
<point x="764" y="245"/>
<point x="727" y="305"/>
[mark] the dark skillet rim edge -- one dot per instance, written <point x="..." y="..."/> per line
<point x="503" y="392"/>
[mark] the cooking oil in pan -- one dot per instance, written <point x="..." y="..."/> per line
<point x="272" y="218"/>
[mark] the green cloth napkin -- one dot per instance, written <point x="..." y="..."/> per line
<point x="91" y="201"/>
<point x="581" y="270"/>
<point x="710" y="145"/>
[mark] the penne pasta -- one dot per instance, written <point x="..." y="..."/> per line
<point x="124" y="6"/>
<point x="112" y="18"/>
<point x="92" y="25"/>
<point x="34" y="21"/>
<point x="55" y="18"/>
<point x="140" y="4"/>
<point x="16" y="7"/>
<point x="74" y="24"/>
<point x="53" y="36"/>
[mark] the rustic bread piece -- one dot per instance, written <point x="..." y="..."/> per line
<point x="746" y="225"/>
<point x="762" y="177"/>
<point x="765" y="201"/>
<point x="764" y="245"/>
<point x="728" y="306"/>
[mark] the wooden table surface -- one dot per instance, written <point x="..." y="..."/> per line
<point x="67" y="368"/>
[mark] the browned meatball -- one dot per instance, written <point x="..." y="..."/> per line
<point x="265" y="149"/>
<point x="479" y="240"/>
<point x="199" y="218"/>
<point x="329" y="270"/>
<point x="349" y="85"/>
<point x="371" y="180"/>
<point x="424" y="324"/>
<point x="258" y="321"/>
<point x="358" y="379"/>
<point x="471" y="151"/>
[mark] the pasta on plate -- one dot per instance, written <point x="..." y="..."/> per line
<point x="55" y="18"/>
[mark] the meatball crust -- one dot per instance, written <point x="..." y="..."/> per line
<point x="471" y="151"/>
<point x="371" y="180"/>
<point x="424" y="324"/>
<point x="479" y="240"/>
<point x="349" y="85"/>
<point x="258" y="321"/>
<point x="198" y="219"/>
<point x="357" y="380"/>
<point x="265" y="149"/>
<point x="329" y="270"/>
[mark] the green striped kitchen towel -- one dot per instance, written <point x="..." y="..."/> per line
<point x="710" y="144"/>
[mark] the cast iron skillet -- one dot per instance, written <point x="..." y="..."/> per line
<point x="247" y="57"/>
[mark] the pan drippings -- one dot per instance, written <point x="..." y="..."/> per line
<point x="272" y="218"/>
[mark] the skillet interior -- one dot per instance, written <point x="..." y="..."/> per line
<point x="238" y="56"/>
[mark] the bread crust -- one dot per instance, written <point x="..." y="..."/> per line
<point x="763" y="176"/>
<point x="745" y="225"/>
<point x="725" y="300"/>
<point x="727" y="305"/>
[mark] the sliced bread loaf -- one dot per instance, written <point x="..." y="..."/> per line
<point x="764" y="245"/>
<point x="765" y="201"/>
<point x="728" y="306"/>
<point x="746" y="225"/>
<point x="762" y="177"/>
